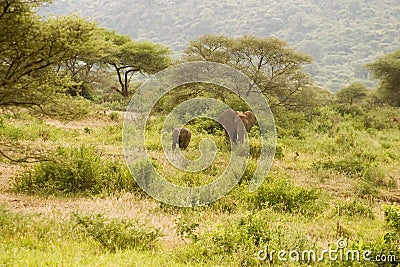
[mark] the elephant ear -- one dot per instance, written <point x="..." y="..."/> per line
<point x="243" y="117"/>
<point x="251" y="118"/>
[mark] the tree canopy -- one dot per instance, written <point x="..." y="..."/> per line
<point x="129" y="57"/>
<point x="387" y="70"/>
<point x="30" y="51"/>
<point x="269" y="62"/>
<point x="352" y="93"/>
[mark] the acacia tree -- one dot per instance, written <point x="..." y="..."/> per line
<point x="352" y="93"/>
<point x="128" y="57"/>
<point x="86" y="65"/>
<point x="273" y="66"/>
<point x="387" y="70"/>
<point x="31" y="53"/>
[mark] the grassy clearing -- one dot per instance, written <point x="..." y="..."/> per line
<point x="331" y="179"/>
<point x="31" y="240"/>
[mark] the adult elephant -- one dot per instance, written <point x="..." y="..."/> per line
<point x="181" y="136"/>
<point x="236" y="124"/>
<point x="232" y="124"/>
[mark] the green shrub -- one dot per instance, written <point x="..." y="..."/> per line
<point x="355" y="207"/>
<point x="365" y="188"/>
<point x="205" y="125"/>
<point x="290" y="123"/>
<point x="353" y="110"/>
<point x="392" y="218"/>
<point x="375" y="122"/>
<point x="234" y="243"/>
<point x="72" y="170"/>
<point x="279" y="154"/>
<point x="347" y="166"/>
<point x="185" y="228"/>
<point x="255" y="147"/>
<point x="115" y="235"/>
<point x="248" y="232"/>
<point x="114" y="116"/>
<point x="283" y="195"/>
<point x="32" y="129"/>
<point x="391" y="240"/>
<point x="389" y="245"/>
<point x="192" y="179"/>
<point x="116" y="102"/>
<point x="249" y="171"/>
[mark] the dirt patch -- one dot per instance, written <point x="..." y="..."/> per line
<point x="7" y="173"/>
<point x="94" y="120"/>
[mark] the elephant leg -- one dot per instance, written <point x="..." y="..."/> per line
<point x="241" y="130"/>
<point x="231" y="138"/>
<point x="173" y="145"/>
<point x="234" y="136"/>
<point x="241" y="137"/>
<point x="175" y="138"/>
<point x="182" y="142"/>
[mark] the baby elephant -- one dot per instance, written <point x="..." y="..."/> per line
<point x="181" y="136"/>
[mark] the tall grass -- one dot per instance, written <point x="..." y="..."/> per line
<point x="115" y="235"/>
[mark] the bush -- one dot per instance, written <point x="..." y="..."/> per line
<point x="114" y="116"/>
<point x="73" y="170"/>
<point x="115" y="101"/>
<point x="115" y="235"/>
<point x="358" y="165"/>
<point x="354" y="208"/>
<point x="347" y="166"/>
<point x="290" y="123"/>
<point x="279" y="154"/>
<point x="392" y="218"/>
<point x="205" y="125"/>
<point x="185" y="228"/>
<point x="365" y="188"/>
<point x="349" y="110"/>
<point x="249" y="171"/>
<point x="389" y="245"/>
<point x="234" y="244"/>
<point x="283" y="195"/>
<point x="375" y="122"/>
<point x="250" y="231"/>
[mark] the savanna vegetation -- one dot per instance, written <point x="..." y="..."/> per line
<point x="68" y="198"/>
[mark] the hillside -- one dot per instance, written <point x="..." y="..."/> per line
<point x="341" y="35"/>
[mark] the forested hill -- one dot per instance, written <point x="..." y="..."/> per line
<point x="341" y="35"/>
